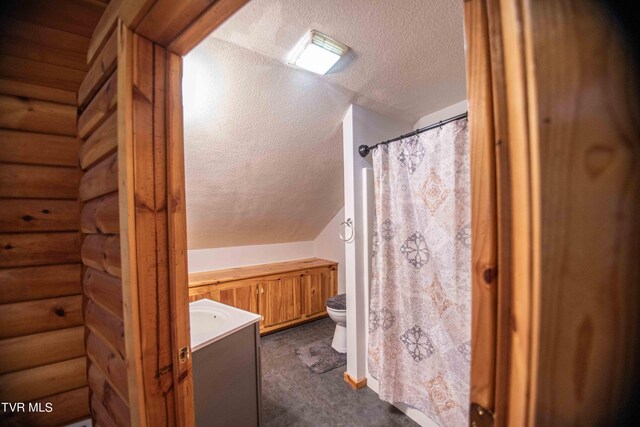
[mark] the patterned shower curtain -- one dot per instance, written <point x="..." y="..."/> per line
<point x="420" y="297"/>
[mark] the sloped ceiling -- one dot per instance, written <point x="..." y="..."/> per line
<point x="263" y="141"/>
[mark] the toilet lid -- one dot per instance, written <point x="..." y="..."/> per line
<point x="339" y="302"/>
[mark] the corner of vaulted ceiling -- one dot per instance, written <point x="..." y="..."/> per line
<point x="264" y="163"/>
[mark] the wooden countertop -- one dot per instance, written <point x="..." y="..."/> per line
<point x="213" y="277"/>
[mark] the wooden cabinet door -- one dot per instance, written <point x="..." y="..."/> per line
<point x="280" y="300"/>
<point x="333" y="285"/>
<point x="243" y="296"/>
<point x="318" y="286"/>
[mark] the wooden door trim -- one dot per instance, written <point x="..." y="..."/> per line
<point x="558" y="99"/>
<point x="178" y="25"/>
<point x="518" y="346"/>
<point x="127" y="226"/>
<point x="151" y="188"/>
<point x="498" y="121"/>
<point x="484" y="228"/>
<point x="503" y="214"/>
<point x="177" y="239"/>
<point x="126" y="16"/>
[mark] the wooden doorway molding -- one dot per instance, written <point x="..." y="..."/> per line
<point x="146" y="93"/>
<point x="552" y="88"/>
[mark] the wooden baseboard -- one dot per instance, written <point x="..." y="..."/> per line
<point x="354" y="383"/>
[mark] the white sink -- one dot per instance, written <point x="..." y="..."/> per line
<point x="211" y="321"/>
<point x="206" y="322"/>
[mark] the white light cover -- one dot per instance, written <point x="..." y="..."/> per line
<point x="316" y="59"/>
<point x="317" y="53"/>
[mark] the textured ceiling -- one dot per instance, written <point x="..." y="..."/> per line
<point x="263" y="140"/>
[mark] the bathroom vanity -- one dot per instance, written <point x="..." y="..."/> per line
<point x="225" y="344"/>
<point x="284" y="294"/>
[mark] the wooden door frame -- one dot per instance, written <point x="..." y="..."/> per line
<point x="153" y="35"/>
<point x="491" y="207"/>
<point x="547" y="91"/>
<point x="153" y="242"/>
<point x="151" y="20"/>
<point x="156" y="22"/>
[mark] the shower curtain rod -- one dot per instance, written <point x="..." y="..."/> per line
<point x="364" y="150"/>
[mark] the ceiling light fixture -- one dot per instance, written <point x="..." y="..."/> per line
<point x="317" y="53"/>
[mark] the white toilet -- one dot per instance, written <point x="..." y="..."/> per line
<point x="337" y="309"/>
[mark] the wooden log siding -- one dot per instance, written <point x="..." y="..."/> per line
<point x="40" y="292"/>
<point x="34" y="283"/>
<point x="38" y="148"/>
<point x="110" y="362"/>
<point x="101" y="69"/>
<point x="25" y="249"/>
<point x="102" y="104"/>
<point x="100" y="179"/>
<point x="74" y="17"/>
<point x="104" y="289"/>
<point x="105" y="325"/>
<point x="13" y="46"/>
<point x="69" y="405"/>
<point x="43" y="47"/>
<point x="33" y="91"/>
<point x="43" y="381"/>
<point x="101" y="143"/>
<point x="104" y="398"/>
<point x="21" y="215"/>
<point x="27" y="70"/>
<point x="99" y="222"/>
<point x="30" y="317"/>
<point x="26" y="351"/>
<point x="102" y="252"/>
<point x="19" y="181"/>
<point x="101" y="215"/>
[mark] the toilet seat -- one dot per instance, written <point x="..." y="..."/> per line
<point x="337" y="309"/>
<point x="337" y="303"/>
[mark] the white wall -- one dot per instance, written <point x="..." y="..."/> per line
<point x="360" y="126"/>
<point x="328" y="245"/>
<point x="445" y="113"/>
<point x="237" y="256"/>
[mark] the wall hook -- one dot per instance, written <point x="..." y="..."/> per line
<point x="342" y="232"/>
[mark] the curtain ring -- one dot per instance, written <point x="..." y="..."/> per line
<point x="342" y="232"/>
<point x="440" y="122"/>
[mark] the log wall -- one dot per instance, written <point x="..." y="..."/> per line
<point x="100" y="251"/>
<point x="43" y="46"/>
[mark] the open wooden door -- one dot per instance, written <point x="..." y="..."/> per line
<point x="553" y="112"/>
